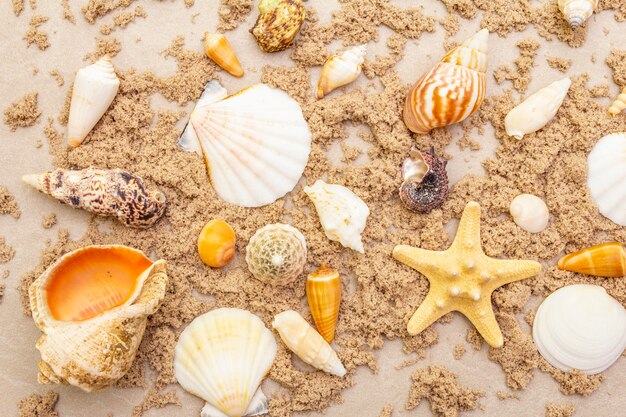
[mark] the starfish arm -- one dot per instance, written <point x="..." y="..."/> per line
<point x="506" y="271"/>
<point x="485" y="322"/>
<point x="427" y="313"/>
<point x="468" y="231"/>
<point x="424" y="261"/>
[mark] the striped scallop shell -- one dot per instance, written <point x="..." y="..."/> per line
<point x="451" y="91"/>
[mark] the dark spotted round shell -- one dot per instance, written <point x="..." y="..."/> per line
<point x="425" y="194"/>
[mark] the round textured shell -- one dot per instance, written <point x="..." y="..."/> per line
<point x="222" y="357"/>
<point x="278" y="24"/>
<point x="276" y="254"/>
<point x="607" y="176"/>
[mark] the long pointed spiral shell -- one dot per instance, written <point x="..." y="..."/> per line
<point x="619" y="104"/>
<point x="95" y="87"/>
<point x="605" y="260"/>
<point x="113" y="193"/>
<point x="341" y="69"/>
<point x="304" y="341"/>
<point x="576" y="12"/>
<point x="451" y="91"/>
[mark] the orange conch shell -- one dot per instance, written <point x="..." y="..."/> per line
<point x="451" y="91"/>
<point x="323" y="290"/>
<point x="605" y="260"/>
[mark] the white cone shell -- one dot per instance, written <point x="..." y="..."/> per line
<point x="256" y="143"/>
<point x="530" y="213"/>
<point x="95" y="87"/>
<point x="580" y="327"/>
<point x="307" y="343"/>
<point x="222" y="357"/>
<point x="607" y="176"/>
<point x="537" y="110"/>
<point x="342" y="213"/>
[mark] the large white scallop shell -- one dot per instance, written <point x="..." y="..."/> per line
<point x="255" y="143"/>
<point x="580" y="327"/>
<point x="530" y="213"/>
<point x="537" y="110"/>
<point x="222" y="357"/>
<point x="342" y="213"/>
<point x="94" y="89"/>
<point x="607" y="176"/>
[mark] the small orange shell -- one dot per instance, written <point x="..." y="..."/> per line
<point x="217" y="47"/>
<point x="216" y="243"/>
<point x="323" y="289"/>
<point x="605" y="260"/>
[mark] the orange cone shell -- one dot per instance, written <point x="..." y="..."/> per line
<point x="323" y="289"/>
<point x="605" y="260"/>
<point x="217" y="47"/>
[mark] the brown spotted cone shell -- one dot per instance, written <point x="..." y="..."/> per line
<point x="113" y="193"/>
<point x="278" y="24"/>
<point x="431" y="191"/>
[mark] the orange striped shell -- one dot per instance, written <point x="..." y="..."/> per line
<point x="323" y="290"/>
<point x="605" y="260"/>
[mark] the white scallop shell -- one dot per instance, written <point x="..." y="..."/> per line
<point x="256" y="143"/>
<point x="530" y="213"/>
<point x="537" y="110"/>
<point x="95" y="87"/>
<point x="342" y="213"/>
<point x="607" y="176"/>
<point x="580" y="327"/>
<point x="222" y="357"/>
<point x="303" y="340"/>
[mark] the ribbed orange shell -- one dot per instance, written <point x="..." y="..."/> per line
<point x="605" y="260"/>
<point x="323" y="289"/>
<point x="445" y="95"/>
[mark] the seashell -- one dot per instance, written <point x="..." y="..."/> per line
<point x="580" y="327"/>
<point x="103" y="192"/>
<point x="217" y="47"/>
<point x="95" y="87"/>
<point x="619" y="104"/>
<point x="451" y="91"/>
<point x="576" y="12"/>
<point x="278" y="24"/>
<point x="276" y="254"/>
<point x="425" y="185"/>
<point x="342" y="213"/>
<point x="323" y="290"/>
<point x="530" y="213"/>
<point x="606" y="176"/>
<point x="605" y="260"/>
<point x="341" y="69"/>
<point x="92" y="307"/>
<point x="222" y="357"/>
<point x="256" y="143"/>
<point x="216" y="243"/>
<point x="537" y="110"/>
<point x="306" y="343"/>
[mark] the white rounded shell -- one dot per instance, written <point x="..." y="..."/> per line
<point x="256" y="143"/>
<point x="580" y="327"/>
<point x="607" y="176"/>
<point x="576" y="12"/>
<point x="530" y="213"/>
<point x="222" y="357"/>
<point x="342" y="213"/>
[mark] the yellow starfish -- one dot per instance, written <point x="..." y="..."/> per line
<point x="462" y="278"/>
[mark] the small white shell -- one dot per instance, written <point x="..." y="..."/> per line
<point x="342" y="213"/>
<point x="222" y="357"/>
<point x="341" y="69"/>
<point x="255" y="143"/>
<point x="619" y="104"/>
<point x="307" y="343"/>
<point x="537" y="110"/>
<point x="530" y="213"/>
<point x="94" y="89"/>
<point x="607" y="176"/>
<point x="580" y="327"/>
<point x="576" y="12"/>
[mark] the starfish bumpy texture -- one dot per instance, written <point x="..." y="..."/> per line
<point x="462" y="278"/>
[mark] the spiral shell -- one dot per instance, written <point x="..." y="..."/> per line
<point x="619" y="104"/>
<point x="576" y="12"/>
<point x="341" y="69"/>
<point x="278" y="24"/>
<point x="530" y="213"/>
<point x="425" y="185"/>
<point x="276" y="254"/>
<point x="217" y="47"/>
<point x="451" y="91"/>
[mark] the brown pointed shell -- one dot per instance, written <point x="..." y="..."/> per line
<point x="278" y="24"/>
<point x="425" y="185"/>
<point x="323" y="290"/>
<point x="605" y="260"/>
